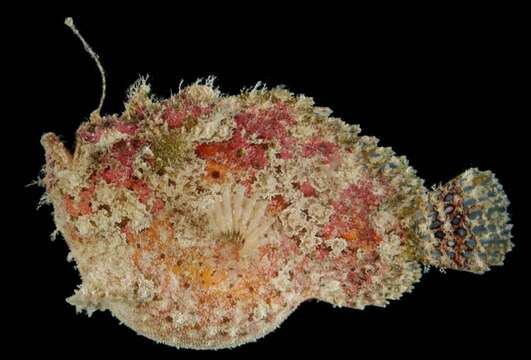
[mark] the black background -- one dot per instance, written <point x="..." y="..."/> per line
<point x="444" y="88"/>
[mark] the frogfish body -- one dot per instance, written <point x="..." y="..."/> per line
<point x="203" y="220"/>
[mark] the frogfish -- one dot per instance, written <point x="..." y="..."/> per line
<point x="204" y="220"/>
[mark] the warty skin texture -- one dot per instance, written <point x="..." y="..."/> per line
<point x="203" y="220"/>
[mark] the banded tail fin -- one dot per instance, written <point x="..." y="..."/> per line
<point x="468" y="227"/>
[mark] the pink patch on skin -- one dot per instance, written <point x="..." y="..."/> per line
<point x="364" y="192"/>
<point x="91" y="136"/>
<point x="321" y="253"/>
<point x="351" y="213"/>
<point x="276" y="255"/>
<point x="350" y="221"/>
<point x="256" y="157"/>
<point x="267" y="124"/>
<point x="139" y="187"/>
<point x="120" y="173"/>
<point x="84" y="204"/>
<point x="328" y="151"/>
<point x="173" y="118"/>
<point x="238" y="151"/>
<point x="307" y="189"/>
<point x="126" y="128"/>
<point x="116" y="175"/>
<point x="248" y="182"/>
<point x="94" y="135"/>
<point x="288" y="147"/>
<point x="197" y="111"/>
<point x="125" y="151"/>
<point x="158" y="205"/>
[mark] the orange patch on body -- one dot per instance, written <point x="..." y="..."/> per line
<point x="83" y="206"/>
<point x="198" y="273"/>
<point x="151" y="239"/>
<point x="361" y="234"/>
<point x="215" y="172"/>
<point x="209" y="149"/>
<point x="351" y="235"/>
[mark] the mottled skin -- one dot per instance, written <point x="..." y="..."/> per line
<point x="203" y="221"/>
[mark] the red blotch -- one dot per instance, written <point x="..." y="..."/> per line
<point x="307" y="189"/>
<point x="140" y="187"/>
<point x="328" y="151"/>
<point x="83" y="206"/>
<point x="91" y="136"/>
<point x="117" y="169"/>
<point x="126" y="128"/>
<point x="350" y="217"/>
<point x="267" y="124"/>
<point x="321" y="252"/>
<point x="206" y="150"/>
<point x="125" y="151"/>
<point x="115" y="175"/>
<point x="158" y="205"/>
<point x="239" y="152"/>
<point x="350" y="221"/>
<point x="288" y="147"/>
<point x="197" y="110"/>
<point x="173" y="118"/>
<point x="118" y="163"/>
<point x="276" y="205"/>
<point x="85" y="201"/>
<point x="235" y="153"/>
<point x="71" y="208"/>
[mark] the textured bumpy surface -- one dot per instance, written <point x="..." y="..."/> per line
<point x="203" y="220"/>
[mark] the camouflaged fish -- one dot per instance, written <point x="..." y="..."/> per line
<point x="203" y="220"/>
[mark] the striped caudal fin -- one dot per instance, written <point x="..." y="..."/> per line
<point x="468" y="225"/>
